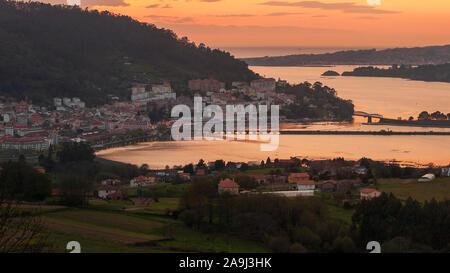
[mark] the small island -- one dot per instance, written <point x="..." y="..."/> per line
<point x="331" y="73"/>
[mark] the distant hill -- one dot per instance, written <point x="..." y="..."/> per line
<point x="410" y="56"/>
<point x="438" y="73"/>
<point x="330" y="73"/>
<point x="48" y="51"/>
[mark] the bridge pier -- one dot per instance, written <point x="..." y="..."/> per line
<point x="369" y="119"/>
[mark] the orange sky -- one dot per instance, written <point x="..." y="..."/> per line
<point x="324" y="23"/>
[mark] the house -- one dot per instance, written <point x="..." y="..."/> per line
<point x="368" y="193"/>
<point x="185" y="176"/>
<point x="260" y="178"/>
<point x="264" y="84"/>
<point x="306" y="185"/>
<point x="360" y="170"/>
<point x="111" y="182"/>
<point x="39" y="169"/>
<point x="142" y="181"/>
<point x="296" y="177"/>
<point x="327" y="186"/>
<point x="286" y="163"/>
<point x="26" y="143"/>
<point x="446" y="171"/>
<point x="200" y="172"/>
<point x="109" y="192"/>
<point x="427" y="178"/>
<point x="228" y="185"/>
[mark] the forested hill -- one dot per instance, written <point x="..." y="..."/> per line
<point x="410" y="56"/>
<point x="48" y="51"/>
<point x="438" y="73"/>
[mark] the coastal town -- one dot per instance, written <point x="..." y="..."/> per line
<point x="25" y="126"/>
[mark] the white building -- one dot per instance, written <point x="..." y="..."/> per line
<point x="266" y="85"/>
<point x="108" y="192"/>
<point x="427" y="178"/>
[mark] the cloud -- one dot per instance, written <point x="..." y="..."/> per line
<point x="374" y="2"/>
<point x="367" y="17"/>
<point x="284" y="13"/>
<point x="346" y="7"/>
<point x="170" y="19"/>
<point x="91" y="3"/>
<point x="152" y="6"/>
<point x="234" y="15"/>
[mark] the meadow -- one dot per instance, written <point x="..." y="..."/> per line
<point x="116" y="227"/>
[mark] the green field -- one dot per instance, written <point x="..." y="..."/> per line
<point x="421" y="191"/>
<point x="113" y="227"/>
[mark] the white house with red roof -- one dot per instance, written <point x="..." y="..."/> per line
<point x="108" y="192"/>
<point x="307" y="186"/>
<point x="368" y="193"/>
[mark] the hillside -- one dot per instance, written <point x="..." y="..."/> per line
<point x="439" y="73"/>
<point x="48" y="51"/>
<point x="411" y="56"/>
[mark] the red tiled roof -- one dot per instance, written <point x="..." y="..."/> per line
<point x="368" y="190"/>
<point x="299" y="175"/>
<point x="108" y="188"/>
<point x="228" y="183"/>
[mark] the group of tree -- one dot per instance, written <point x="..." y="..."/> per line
<point x="75" y="151"/>
<point x="22" y="230"/>
<point x="19" y="181"/>
<point x="282" y="224"/>
<point x="305" y="224"/>
<point x="65" y="51"/>
<point x="407" y="226"/>
<point x="440" y="73"/>
<point x="424" y="115"/>
<point x="316" y="101"/>
<point x="413" y="56"/>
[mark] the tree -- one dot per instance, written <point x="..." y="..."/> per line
<point x="297" y="248"/>
<point x="21" y="182"/>
<point x="74" y="152"/>
<point x="188" y="168"/>
<point x="279" y="244"/>
<point x="75" y="190"/>
<point x="424" y="116"/>
<point x="200" y="196"/>
<point x="201" y="164"/>
<point x="21" y="231"/>
<point x="219" y="165"/>
<point x="246" y="182"/>
<point x="343" y="245"/>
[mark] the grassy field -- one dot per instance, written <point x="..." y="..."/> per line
<point x="341" y="213"/>
<point x="113" y="227"/>
<point x="421" y="191"/>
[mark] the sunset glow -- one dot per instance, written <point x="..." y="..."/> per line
<point x="324" y="23"/>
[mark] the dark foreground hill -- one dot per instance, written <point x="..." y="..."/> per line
<point x="410" y="56"/>
<point x="48" y="51"/>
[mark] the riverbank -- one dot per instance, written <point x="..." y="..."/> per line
<point x="413" y="123"/>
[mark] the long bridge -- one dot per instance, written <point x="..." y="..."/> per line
<point x="367" y="115"/>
